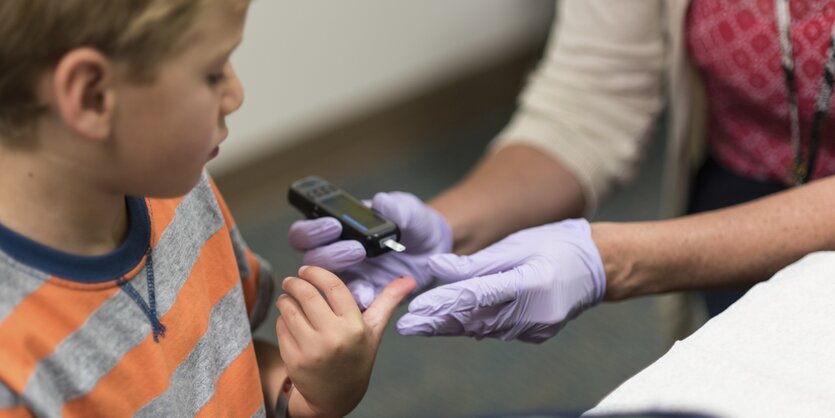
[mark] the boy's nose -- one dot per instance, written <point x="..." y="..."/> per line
<point x="233" y="98"/>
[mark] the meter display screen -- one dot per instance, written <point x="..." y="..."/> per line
<point x="352" y="212"/>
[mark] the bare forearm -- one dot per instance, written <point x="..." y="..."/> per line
<point x="272" y="371"/>
<point x="734" y="246"/>
<point x="515" y="188"/>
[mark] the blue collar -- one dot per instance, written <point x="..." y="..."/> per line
<point x="85" y="269"/>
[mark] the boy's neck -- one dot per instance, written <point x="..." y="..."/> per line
<point x="48" y="204"/>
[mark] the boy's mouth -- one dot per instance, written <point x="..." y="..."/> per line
<point x="214" y="153"/>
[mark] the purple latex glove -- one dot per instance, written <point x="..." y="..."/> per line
<point x="525" y="287"/>
<point x="423" y="231"/>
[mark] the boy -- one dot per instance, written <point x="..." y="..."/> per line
<point x="125" y="288"/>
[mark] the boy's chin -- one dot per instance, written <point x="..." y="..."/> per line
<point x="171" y="187"/>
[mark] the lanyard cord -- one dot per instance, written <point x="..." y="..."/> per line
<point x="803" y="167"/>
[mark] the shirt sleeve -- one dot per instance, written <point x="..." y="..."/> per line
<point x="593" y="100"/>
<point x="10" y="404"/>
<point x="257" y="276"/>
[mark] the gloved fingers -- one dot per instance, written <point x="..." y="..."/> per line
<point x="336" y="257"/>
<point x="397" y="206"/>
<point x="494" y="259"/>
<point x="411" y="324"/>
<point x="486" y="322"/>
<point x="363" y="291"/>
<point x="478" y="323"/>
<point x="466" y="295"/>
<point x="422" y="228"/>
<point x="307" y="234"/>
<point x="540" y="333"/>
<point x="503" y="322"/>
<point x="383" y="269"/>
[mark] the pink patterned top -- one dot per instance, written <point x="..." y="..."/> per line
<point x="735" y="45"/>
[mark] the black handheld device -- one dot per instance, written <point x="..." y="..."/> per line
<point x="316" y="197"/>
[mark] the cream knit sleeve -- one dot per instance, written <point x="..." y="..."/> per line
<point x="593" y="100"/>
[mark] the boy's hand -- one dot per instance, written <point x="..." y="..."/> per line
<point x="327" y="344"/>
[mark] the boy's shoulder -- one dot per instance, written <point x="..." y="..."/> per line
<point x="57" y="330"/>
<point x="170" y="226"/>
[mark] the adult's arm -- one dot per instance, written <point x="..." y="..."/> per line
<point x="530" y="283"/>
<point x="582" y="123"/>
<point x="738" y="245"/>
<point x="580" y="128"/>
<point x="515" y="188"/>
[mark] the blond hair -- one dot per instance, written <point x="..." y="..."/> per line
<point x="35" y="34"/>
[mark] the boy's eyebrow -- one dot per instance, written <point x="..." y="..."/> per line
<point x="226" y="52"/>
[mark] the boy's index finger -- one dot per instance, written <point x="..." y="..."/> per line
<point x="335" y="291"/>
<point x="317" y="311"/>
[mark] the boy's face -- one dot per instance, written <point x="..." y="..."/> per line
<point x="165" y="132"/>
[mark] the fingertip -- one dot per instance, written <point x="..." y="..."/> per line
<point x="418" y="325"/>
<point x="308" y="272"/>
<point x="381" y="310"/>
<point x="419" y="305"/>
<point x="311" y="233"/>
<point x="381" y="202"/>
<point x="397" y="206"/>
<point x="302" y="270"/>
<point x="409" y="324"/>
<point x="336" y="257"/>
<point x="404" y="284"/>
<point x="396" y="290"/>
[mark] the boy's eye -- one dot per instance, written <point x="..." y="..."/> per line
<point x="216" y="78"/>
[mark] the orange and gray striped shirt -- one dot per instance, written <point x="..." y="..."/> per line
<point x="160" y="327"/>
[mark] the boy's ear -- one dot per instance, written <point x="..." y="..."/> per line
<point x="83" y="94"/>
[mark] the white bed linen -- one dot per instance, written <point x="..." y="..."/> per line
<point x="771" y="354"/>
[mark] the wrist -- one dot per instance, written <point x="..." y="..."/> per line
<point x="467" y="232"/>
<point x="282" y="402"/>
<point x="618" y="263"/>
<point x="271" y="369"/>
<point x="445" y="240"/>
<point x="456" y="227"/>
<point x="331" y="405"/>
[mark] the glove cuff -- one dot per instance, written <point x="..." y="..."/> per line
<point x="445" y="241"/>
<point x="591" y="256"/>
<point x="598" y="272"/>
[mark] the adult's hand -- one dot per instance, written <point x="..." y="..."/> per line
<point x="525" y="287"/>
<point x="423" y="231"/>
